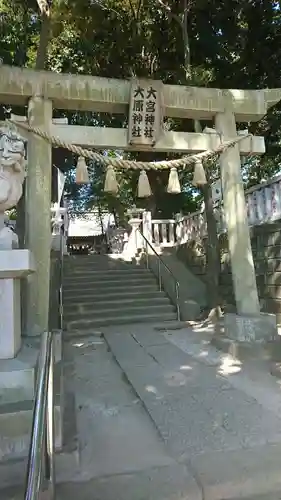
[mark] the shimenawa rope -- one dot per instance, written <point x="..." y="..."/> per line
<point x="129" y="164"/>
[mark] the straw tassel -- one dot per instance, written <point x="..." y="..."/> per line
<point x="173" y="183"/>
<point x="82" y="176"/>
<point x="110" y="183"/>
<point x="144" y="190"/>
<point x="199" y="176"/>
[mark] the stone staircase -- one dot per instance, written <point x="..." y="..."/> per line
<point x="103" y="290"/>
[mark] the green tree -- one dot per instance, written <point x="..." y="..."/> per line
<point x="232" y="44"/>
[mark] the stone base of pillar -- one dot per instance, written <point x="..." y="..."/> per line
<point x="250" y="328"/>
<point x="249" y="336"/>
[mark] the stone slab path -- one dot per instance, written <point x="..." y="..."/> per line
<point x="163" y="415"/>
<point x="122" y="455"/>
<point x="218" y="417"/>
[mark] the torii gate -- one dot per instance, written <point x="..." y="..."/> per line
<point x="42" y="91"/>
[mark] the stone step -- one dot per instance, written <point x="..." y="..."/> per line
<point x="13" y="471"/>
<point x="110" y="287"/>
<point x="80" y="306"/>
<point x="118" y="311"/>
<point x="90" y="296"/>
<point x="108" y="279"/>
<point x="77" y="271"/>
<point x="99" y="261"/>
<point x="97" y="256"/>
<point x="15" y="425"/>
<point x="16" y="419"/>
<point x="15" y="434"/>
<point x="102" y="267"/>
<point x="107" y="274"/>
<point x="91" y="324"/>
<point x="17" y="376"/>
<point x="155" y="480"/>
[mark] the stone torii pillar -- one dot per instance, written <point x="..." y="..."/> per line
<point x="38" y="216"/>
<point x="249" y="325"/>
<point x="239" y="242"/>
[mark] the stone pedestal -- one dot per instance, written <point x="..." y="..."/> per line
<point x="147" y="226"/>
<point x="18" y="363"/>
<point x="14" y="265"/>
<point x="59" y="232"/>
<point x="250" y="328"/>
<point x="10" y="310"/>
<point x="135" y="241"/>
<point x="248" y="336"/>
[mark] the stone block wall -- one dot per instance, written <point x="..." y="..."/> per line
<point x="266" y="246"/>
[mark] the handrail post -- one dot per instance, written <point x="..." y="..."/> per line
<point x="41" y="463"/>
<point x="147" y="262"/>
<point x="159" y="275"/>
<point x="177" y="300"/>
<point x="160" y="261"/>
<point x="34" y="470"/>
<point x="62" y="233"/>
<point x="50" y="427"/>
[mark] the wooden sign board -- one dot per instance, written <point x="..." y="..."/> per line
<point x="145" y="112"/>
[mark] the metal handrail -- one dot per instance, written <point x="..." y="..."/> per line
<point x="160" y="261"/>
<point x="41" y="462"/>
<point x="41" y="452"/>
<point x="61" y="262"/>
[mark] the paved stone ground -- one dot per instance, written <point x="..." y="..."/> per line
<point x="163" y="415"/>
<point x="122" y="455"/>
<point x="219" y="417"/>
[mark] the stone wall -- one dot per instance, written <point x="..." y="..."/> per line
<point x="192" y="291"/>
<point x="266" y="246"/>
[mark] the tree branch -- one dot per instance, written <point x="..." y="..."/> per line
<point x="41" y="56"/>
<point x="186" y="46"/>
<point x="44" y="7"/>
<point x="139" y="8"/>
<point x="170" y="13"/>
<point x="133" y="11"/>
<point x="100" y="4"/>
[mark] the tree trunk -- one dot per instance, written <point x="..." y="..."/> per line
<point x="186" y="44"/>
<point x="213" y="251"/>
<point x="213" y="254"/>
<point x="41" y="59"/>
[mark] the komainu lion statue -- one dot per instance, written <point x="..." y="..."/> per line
<point x="12" y="174"/>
